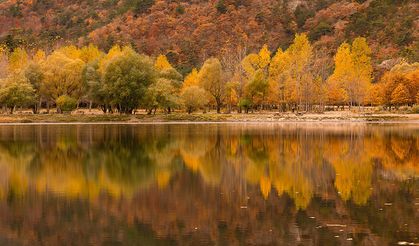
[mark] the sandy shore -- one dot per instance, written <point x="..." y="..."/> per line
<point x="86" y="117"/>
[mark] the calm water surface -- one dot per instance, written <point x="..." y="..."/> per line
<point x="209" y="184"/>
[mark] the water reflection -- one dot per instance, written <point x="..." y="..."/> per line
<point x="209" y="184"/>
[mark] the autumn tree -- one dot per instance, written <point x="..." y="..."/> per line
<point x="400" y="95"/>
<point x="90" y="53"/>
<point x="210" y="78"/>
<point x="66" y="104"/>
<point x="63" y="75"/>
<point x="94" y="88"/>
<point x="405" y="74"/>
<point x="34" y="72"/>
<point x="191" y="79"/>
<point x="375" y="94"/>
<point x="126" y="77"/>
<point x="300" y="78"/>
<point x="4" y="62"/>
<point x="336" y="94"/>
<point x="162" y="63"/>
<point x="278" y="75"/>
<point x="163" y="94"/>
<point x="256" y="69"/>
<point x="353" y="70"/>
<point x="18" y="60"/>
<point x="35" y="76"/>
<point x="16" y="91"/>
<point x="193" y="98"/>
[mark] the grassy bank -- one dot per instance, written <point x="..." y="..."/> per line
<point x="208" y="117"/>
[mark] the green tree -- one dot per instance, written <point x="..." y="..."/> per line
<point x="127" y="76"/>
<point x="66" y="104"/>
<point x="35" y="76"/>
<point x="162" y="94"/>
<point x="193" y="98"/>
<point x="63" y="75"/>
<point x="211" y="79"/>
<point x="16" y="91"/>
<point x="93" y="87"/>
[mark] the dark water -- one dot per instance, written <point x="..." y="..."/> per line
<point x="245" y="184"/>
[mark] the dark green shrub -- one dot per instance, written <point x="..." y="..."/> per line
<point x="323" y="28"/>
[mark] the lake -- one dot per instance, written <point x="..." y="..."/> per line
<point x="209" y="184"/>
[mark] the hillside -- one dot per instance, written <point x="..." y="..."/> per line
<point x="188" y="32"/>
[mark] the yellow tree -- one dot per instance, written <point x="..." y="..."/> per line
<point x="361" y="57"/>
<point x="278" y="69"/>
<point x="299" y="54"/>
<point x="70" y="51"/>
<point x="90" y="53"/>
<point x="254" y="62"/>
<point x="353" y="70"/>
<point x="374" y="94"/>
<point x="39" y="56"/>
<point x="162" y="63"/>
<point x="340" y="82"/>
<point x="115" y="51"/>
<point x="63" y="76"/>
<point x="336" y="94"/>
<point x="256" y="69"/>
<point x="191" y="79"/>
<point x="210" y="78"/>
<point x="18" y="60"/>
<point x="4" y="62"/>
<point x="400" y="95"/>
<point x="403" y="73"/>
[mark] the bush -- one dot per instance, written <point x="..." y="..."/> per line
<point x="415" y="109"/>
<point x="404" y="108"/>
<point x="301" y="14"/>
<point x="66" y="103"/>
<point x="246" y="104"/>
<point x="323" y="28"/>
<point x="221" y="7"/>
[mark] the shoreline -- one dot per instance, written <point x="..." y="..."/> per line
<point x="213" y="123"/>
<point x="208" y="118"/>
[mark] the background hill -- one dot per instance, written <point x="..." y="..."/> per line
<point x="188" y="32"/>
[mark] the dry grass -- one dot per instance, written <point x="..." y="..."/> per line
<point x="85" y="116"/>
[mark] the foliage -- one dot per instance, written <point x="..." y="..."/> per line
<point x="16" y="91"/>
<point x="402" y="74"/>
<point x="163" y="94"/>
<point x="162" y="63"/>
<point x="62" y="74"/>
<point x="193" y="98"/>
<point x="296" y="78"/>
<point x="66" y="103"/>
<point x="323" y="28"/>
<point x="353" y="70"/>
<point x="210" y="78"/>
<point x="127" y="77"/>
<point x="400" y="95"/>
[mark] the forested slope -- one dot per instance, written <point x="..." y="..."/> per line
<point x="188" y="32"/>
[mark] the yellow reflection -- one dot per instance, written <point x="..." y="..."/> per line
<point x="292" y="161"/>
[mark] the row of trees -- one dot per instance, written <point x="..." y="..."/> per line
<point x="123" y="80"/>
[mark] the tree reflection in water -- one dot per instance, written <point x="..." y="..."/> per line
<point x="215" y="184"/>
